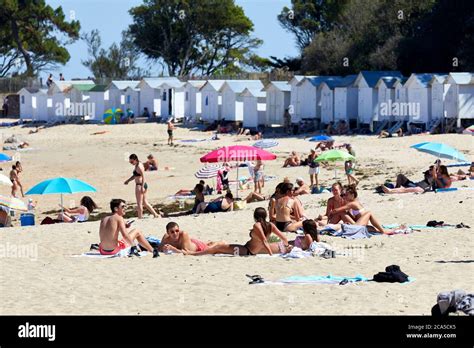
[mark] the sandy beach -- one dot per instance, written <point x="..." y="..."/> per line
<point x="50" y="280"/>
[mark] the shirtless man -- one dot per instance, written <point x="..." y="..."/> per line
<point x="111" y="225"/>
<point x="285" y="207"/>
<point x="179" y="241"/>
<point x="302" y="188"/>
<point x="170" y="132"/>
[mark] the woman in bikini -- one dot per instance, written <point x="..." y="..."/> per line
<point x="310" y="235"/>
<point x="15" y="179"/>
<point x="356" y="213"/>
<point x="218" y="205"/>
<point x="288" y="216"/>
<point x="179" y="241"/>
<point x="141" y="187"/>
<point x="258" y="243"/>
<point x="336" y="201"/>
<point x="79" y="214"/>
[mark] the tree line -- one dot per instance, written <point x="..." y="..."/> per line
<point x="215" y="37"/>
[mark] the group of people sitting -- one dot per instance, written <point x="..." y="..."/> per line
<point x="342" y="128"/>
<point x="285" y="214"/>
<point x="436" y="177"/>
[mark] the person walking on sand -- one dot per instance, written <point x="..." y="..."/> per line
<point x="141" y="187"/>
<point x="258" y="176"/>
<point x="349" y="168"/>
<point x="313" y="169"/>
<point x="15" y="179"/>
<point x="170" y="132"/>
<point x="112" y="225"/>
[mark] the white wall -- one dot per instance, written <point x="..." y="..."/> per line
<point x="466" y="101"/>
<point x="307" y="100"/>
<point x="210" y="107"/>
<point x="365" y="104"/>
<point x="26" y="111"/>
<point x="341" y="104"/>
<point x="276" y="103"/>
<point x="132" y="101"/>
<point x="178" y="103"/>
<point x="250" y="112"/>
<point x="437" y="101"/>
<point x="419" y="95"/>
<point x="228" y="105"/>
<point x="327" y="103"/>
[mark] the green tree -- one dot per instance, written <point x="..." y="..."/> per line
<point x="118" y="62"/>
<point x="36" y="32"/>
<point x="307" y="18"/>
<point x="208" y="37"/>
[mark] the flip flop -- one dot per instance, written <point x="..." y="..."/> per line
<point x="256" y="279"/>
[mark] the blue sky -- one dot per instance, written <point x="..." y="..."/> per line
<point x="110" y="17"/>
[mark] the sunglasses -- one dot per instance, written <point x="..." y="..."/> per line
<point x="122" y="206"/>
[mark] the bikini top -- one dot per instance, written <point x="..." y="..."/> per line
<point x="135" y="173"/>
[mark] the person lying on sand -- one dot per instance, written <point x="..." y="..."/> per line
<point x="292" y="161"/>
<point x="258" y="243"/>
<point x="311" y="235"/>
<point x="151" y="164"/>
<point x="112" y="225"/>
<point x="79" y="214"/>
<point x="179" y="241"/>
<point x="356" y="213"/>
<point x="218" y="205"/>
<point x="336" y="201"/>
<point x="285" y="208"/>
<point x="302" y="189"/>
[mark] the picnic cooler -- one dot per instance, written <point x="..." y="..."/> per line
<point x="27" y="219"/>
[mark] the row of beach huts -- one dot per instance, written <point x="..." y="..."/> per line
<point x="369" y="98"/>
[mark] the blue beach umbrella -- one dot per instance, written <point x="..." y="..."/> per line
<point x="60" y="186"/>
<point x="265" y="144"/>
<point x="440" y="150"/>
<point x="321" y="138"/>
<point x="4" y="158"/>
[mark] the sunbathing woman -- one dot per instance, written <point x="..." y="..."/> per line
<point x="79" y="214"/>
<point x="218" y="205"/>
<point x="441" y="177"/>
<point x="310" y="235"/>
<point x="258" y="243"/>
<point x="141" y="187"/>
<point x="287" y="216"/>
<point x="179" y="241"/>
<point x="356" y="213"/>
<point x="336" y="201"/>
<point x="292" y="161"/>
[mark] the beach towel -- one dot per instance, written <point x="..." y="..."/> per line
<point x="353" y="232"/>
<point x="459" y="164"/>
<point x="412" y="227"/>
<point x="192" y="140"/>
<point x="454" y="189"/>
<point x="313" y="279"/>
<point x="96" y="255"/>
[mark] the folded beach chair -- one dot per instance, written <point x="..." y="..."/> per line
<point x="433" y="125"/>
<point x="395" y="127"/>
<point x="381" y="127"/>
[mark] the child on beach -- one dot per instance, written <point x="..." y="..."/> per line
<point x="113" y="225"/>
<point x="170" y="132"/>
<point x="258" y="243"/>
<point x="349" y="168"/>
<point x="179" y="241"/>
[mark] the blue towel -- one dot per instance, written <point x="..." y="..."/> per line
<point x="329" y="279"/>
<point x="152" y="239"/>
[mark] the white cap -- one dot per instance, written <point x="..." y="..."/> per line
<point x="299" y="179"/>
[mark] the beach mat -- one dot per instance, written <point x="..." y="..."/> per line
<point x="415" y="227"/>
<point x="454" y="189"/>
<point x="316" y="279"/>
<point x="97" y="255"/>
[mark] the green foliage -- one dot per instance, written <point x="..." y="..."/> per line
<point x="35" y="32"/>
<point x="403" y="35"/>
<point x="307" y="18"/>
<point x="213" y="37"/>
<point x="118" y="62"/>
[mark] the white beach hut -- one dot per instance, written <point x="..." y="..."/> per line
<point x="385" y="88"/>
<point x="96" y="103"/>
<point x="254" y="107"/>
<point x="232" y="105"/>
<point x="192" y="98"/>
<point x="459" y="98"/>
<point x="336" y="98"/>
<point x="116" y="92"/>
<point x="63" y="94"/>
<point x="419" y="97"/>
<point x="26" y="107"/>
<point x="153" y="97"/>
<point x="294" y="97"/>
<point x="211" y="100"/>
<point x="345" y="100"/>
<point x="132" y="100"/>
<point x="278" y="99"/>
<point x="367" y="94"/>
<point x="172" y="101"/>
<point x="437" y="87"/>
<point x="306" y="92"/>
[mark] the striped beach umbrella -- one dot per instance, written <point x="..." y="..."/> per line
<point x="113" y="116"/>
<point x="265" y="144"/>
<point x="13" y="203"/>
<point x="209" y="171"/>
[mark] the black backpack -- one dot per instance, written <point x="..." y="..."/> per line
<point x="392" y="274"/>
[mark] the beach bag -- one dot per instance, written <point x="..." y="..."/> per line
<point x="392" y="274"/>
<point x="240" y="205"/>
